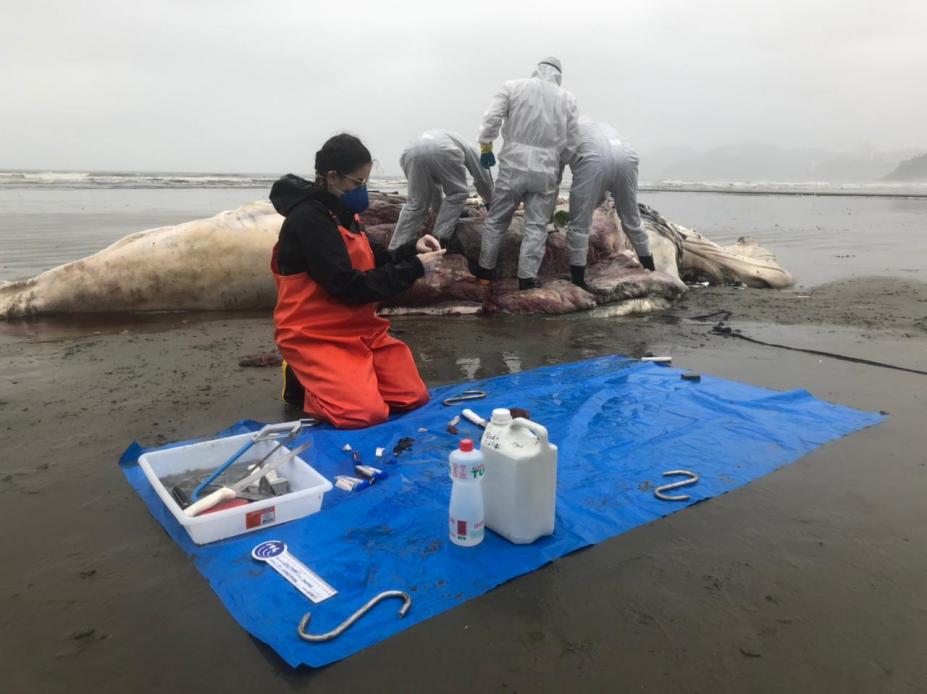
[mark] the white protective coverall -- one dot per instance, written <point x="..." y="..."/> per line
<point x="602" y="163"/>
<point x="539" y="120"/>
<point x="438" y="160"/>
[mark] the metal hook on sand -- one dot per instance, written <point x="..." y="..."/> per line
<point x="660" y="492"/>
<point x="337" y="631"/>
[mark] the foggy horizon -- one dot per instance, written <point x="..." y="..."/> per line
<point x="241" y="88"/>
<point x="382" y="171"/>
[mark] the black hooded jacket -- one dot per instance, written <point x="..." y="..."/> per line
<point x="310" y="242"/>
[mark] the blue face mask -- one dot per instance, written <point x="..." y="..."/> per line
<point x="356" y="200"/>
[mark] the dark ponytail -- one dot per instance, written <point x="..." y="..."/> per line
<point x="343" y="154"/>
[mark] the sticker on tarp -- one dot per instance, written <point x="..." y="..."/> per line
<point x="300" y="576"/>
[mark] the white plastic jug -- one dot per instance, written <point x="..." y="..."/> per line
<point x="520" y="483"/>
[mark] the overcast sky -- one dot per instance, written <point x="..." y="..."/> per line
<point x="258" y="86"/>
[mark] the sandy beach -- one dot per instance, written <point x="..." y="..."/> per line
<point x="810" y="579"/>
<point x="171" y="171"/>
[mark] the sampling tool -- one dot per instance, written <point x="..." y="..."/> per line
<point x="371" y="473"/>
<point x="230" y="492"/>
<point x="351" y="484"/>
<point x="282" y="432"/>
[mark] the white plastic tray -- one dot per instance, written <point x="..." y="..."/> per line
<point x="307" y="487"/>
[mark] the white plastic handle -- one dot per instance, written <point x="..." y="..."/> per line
<point x="536" y="429"/>
<point x="208" y="501"/>
<point x="473" y="417"/>
<point x="658" y="360"/>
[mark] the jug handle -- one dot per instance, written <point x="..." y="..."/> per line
<point x="536" y="429"/>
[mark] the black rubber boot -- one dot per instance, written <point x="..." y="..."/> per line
<point x="293" y="392"/>
<point x="578" y="276"/>
<point x="526" y="284"/>
<point x="647" y="262"/>
<point x="479" y="271"/>
<point x="451" y="245"/>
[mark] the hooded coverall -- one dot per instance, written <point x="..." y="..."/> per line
<point x="538" y="120"/>
<point x="602" y="163"/>
<point x="438" y="160"/>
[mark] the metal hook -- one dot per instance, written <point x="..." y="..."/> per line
<point x="327" y="636"/>
<point x="464" y="396"/>
<point x="659" y="491"/>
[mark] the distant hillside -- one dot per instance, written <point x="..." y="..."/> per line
<point x="764" y="162"/>
<point x="860" y="166"/>
<point x="655" y="164"/>
<point x="744" y="162"/>
<point x="913" y="169"/>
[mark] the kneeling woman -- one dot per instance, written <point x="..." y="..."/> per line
<point x="329" y="279"/>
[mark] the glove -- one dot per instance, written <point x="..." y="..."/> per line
<point x="487" y="158"/>
<point x="427" y="243"/>
<point x="430" y="260"/>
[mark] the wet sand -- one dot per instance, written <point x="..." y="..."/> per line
<point x="811" y="579"/>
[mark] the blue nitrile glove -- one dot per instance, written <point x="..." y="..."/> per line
<point x="487" y="158"/>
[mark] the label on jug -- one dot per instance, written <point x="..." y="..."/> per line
<point x="491" y="440"/>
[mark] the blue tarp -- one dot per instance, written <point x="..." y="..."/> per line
<point x="619" y="424"/>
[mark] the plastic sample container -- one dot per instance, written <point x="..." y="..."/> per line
<point x="465" y="514"/>
<point x="307" y="487"/>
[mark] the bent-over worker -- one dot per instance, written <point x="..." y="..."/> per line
<point x="602" y="163"/>
<point x="437" y="162"/>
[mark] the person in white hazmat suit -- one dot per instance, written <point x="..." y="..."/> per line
<point x="602" y="163"/>
<point x="538" y="120"/>
<point x="438" y="161"/>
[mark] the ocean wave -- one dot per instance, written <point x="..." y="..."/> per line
<point x="170" y="179"/>
<point x="129" y="179"/>
<point x="141" y="180"/>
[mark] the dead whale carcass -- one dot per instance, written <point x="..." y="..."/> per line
<point x="222" y="263"/>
